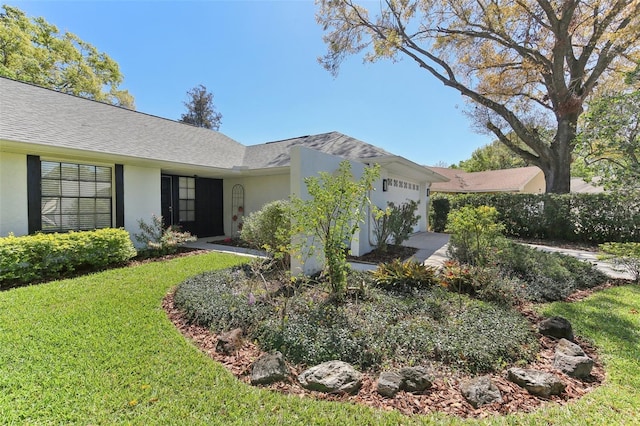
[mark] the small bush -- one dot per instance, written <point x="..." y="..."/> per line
<point x="458" y="278"/>
<point x="158" y="240"/>
<point x="270" y="229"/>
<point x="475" y="234"/>
<point x="402" y="220"/>
<point x="47" y="256"/>
<point x="440" y="207"/>
<point x="626" y="255"/>
<point x="404" y="276"/>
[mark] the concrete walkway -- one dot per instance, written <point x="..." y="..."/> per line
<point x="432" y="251"/>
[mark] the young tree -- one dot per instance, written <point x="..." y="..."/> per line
<point x="200" y="109"/>
<point x="332" y="216"/>
<point x="34" y="51"/>
<point x="526" y="65"/>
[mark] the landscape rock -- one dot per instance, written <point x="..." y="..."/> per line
<point x="480" y="391"/>
<point x="416" y="379"/>
<point x="538" y="383"/>
<point x="269" y="368"/>
<point x="229" y="342"/>
<point x="571" y="360"/>
<point x="569" y="348"/>
<point x="389" y="384"/>
<point x="557" y="327"/>
<point x="331" y="377"/>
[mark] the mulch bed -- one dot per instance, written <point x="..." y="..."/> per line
<point x="444" y="396"/>
<point x="377" y="256"/>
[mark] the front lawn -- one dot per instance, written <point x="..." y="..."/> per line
<point x="99" y="349"/>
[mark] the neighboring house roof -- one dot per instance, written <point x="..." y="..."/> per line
<point x="507" y="180"/>
<point x="578" y="185"/>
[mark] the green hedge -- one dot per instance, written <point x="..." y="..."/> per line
<point x="45" y="256"/>
<point x="594" y="218"/>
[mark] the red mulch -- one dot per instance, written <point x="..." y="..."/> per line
<point x="444" y="396"/>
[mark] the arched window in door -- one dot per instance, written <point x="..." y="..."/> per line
<point x="237" y="210"/>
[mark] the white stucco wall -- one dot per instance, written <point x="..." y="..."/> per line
<point x="13" y="194"/>
<point x="306" y="162"/>
<point x="141" y="196"/>
<point x="258" y="191"/>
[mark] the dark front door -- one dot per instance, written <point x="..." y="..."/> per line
<point x="202" y="218"/>
<point x="166" y="200"/>
<point x="209" y="207"/>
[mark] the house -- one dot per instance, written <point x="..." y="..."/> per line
<point x="68" y="163"/>
<point x="528" y="180"/>
<point x="524" y="180"/>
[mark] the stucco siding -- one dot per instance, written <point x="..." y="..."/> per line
<point x="141" y="196"/>
<point x="13" y="194"/>
<point x="536" y="185"/>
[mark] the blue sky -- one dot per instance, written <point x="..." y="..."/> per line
<point x="259" y="59"/>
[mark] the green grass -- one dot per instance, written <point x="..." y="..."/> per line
<point x="99" y="350"/>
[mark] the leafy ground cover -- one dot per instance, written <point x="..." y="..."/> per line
<point x="99" y="349"/>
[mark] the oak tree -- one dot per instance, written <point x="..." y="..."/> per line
<point x="35" y="51"/>
<point x="494" y="156"/>
<point x="527" y="66"/>
<point x="200" y="109"/>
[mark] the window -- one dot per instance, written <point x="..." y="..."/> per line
<point x="187" y="199"/>
<point x="75" y="196"/>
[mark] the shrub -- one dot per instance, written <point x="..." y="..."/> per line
<point x="381" y="227"/>
<point x="594" y="218"/>
<point x="158" y="240"/>
<point x="222" y="300"/>
<point x="626" y="255"/>
<point x="457" y="277"/>
<point x="440" y="207"/>
<point x="402" y="220"/>
<point x="547" y="276"/>
<point x="270" y="229"/>
<point x="404" y="276"/>
<point x="475" y="234"/>
<point x="46" y="256"/>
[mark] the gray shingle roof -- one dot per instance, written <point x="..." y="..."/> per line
<point x="35" y="115"/>
<point x="41" y="116"/>
<point x="276" y="154"/>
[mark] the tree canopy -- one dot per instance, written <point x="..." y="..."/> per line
<point x="201" y="111"/>
<point x="609" y="143"/>
<point x="494" y="156"/>
<point x="35" y="51"/>
<point x="527" y="66"/>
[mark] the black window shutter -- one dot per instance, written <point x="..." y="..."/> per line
<point x="34" y="194"/>
<point x="119" y="195"/>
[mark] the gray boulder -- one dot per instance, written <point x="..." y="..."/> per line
<point x="331" y="377"/>
<point x="538" y="383"/>
<point x="557" y="327"/>
<point x="269" y="368"/>
<point x="416" y="379"/>
<point x="389" y="384"/>
<point x="571" y="360"/>
<point x="480" y="391"/>
<point x="229" y="342"/>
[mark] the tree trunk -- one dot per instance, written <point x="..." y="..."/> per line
<point x="557" y="167"/>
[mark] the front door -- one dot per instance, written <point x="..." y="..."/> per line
<point x="200" y="212"/>
<point x="166" y="200"/>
